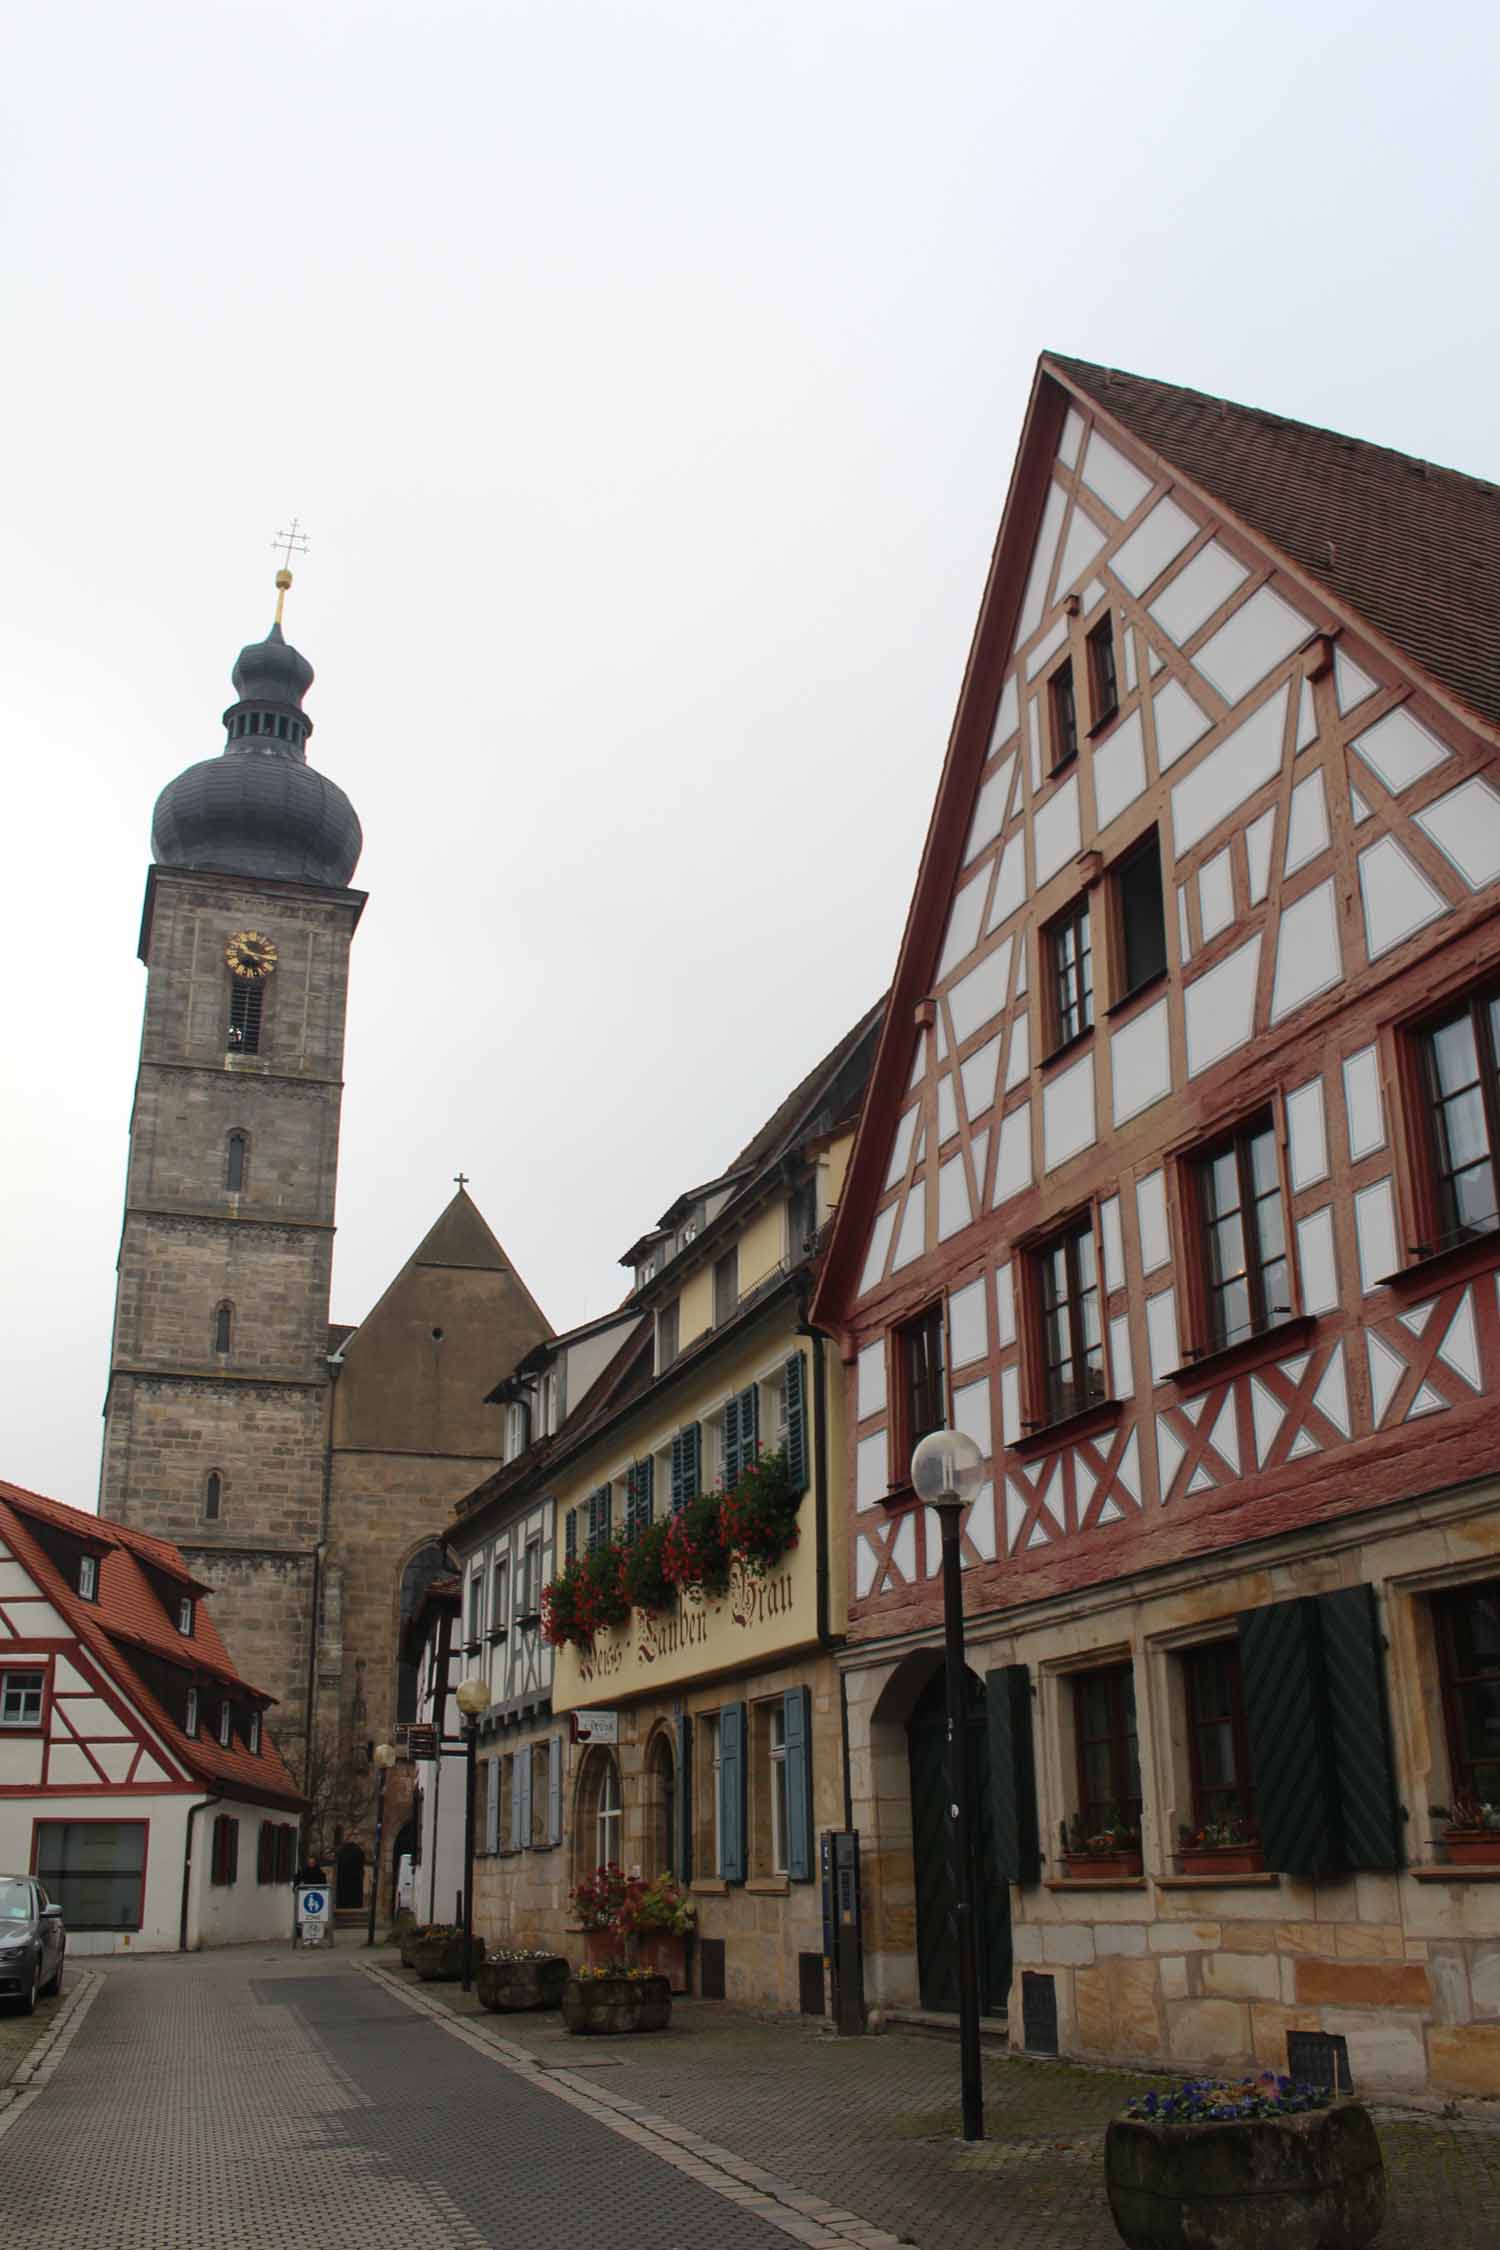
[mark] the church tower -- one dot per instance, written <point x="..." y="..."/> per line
<point x="216" y="1419"/>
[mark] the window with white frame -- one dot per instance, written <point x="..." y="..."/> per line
<point x="21" y="1698"/>
<point x="185" y="1614"/>
<point x="475" y="1624"/>
<point x="551" y="1401"/>
<point x="190" y="1716"/>
<point x="226" y="1723"/>
<point x="531" y="1578"/>
<point x="607" y="1816"/>
<point x="500" y="1595"/>
<point x="768" y="1805"/>
<point x="88" y="1577"/>
<point x="252" y="1736"/>
<point x="515" y="1430"/>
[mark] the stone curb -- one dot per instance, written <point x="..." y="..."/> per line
<point x="806" y="2218"/>
<point x="47" y="2054"/>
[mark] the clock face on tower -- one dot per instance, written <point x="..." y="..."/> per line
<point x="250" y="955"/>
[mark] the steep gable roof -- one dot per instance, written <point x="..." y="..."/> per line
<point x="1414" y="548"/>
<point x="128" y="1615"/>
<point x="1291" y="489"/>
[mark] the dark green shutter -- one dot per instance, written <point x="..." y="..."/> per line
<point x="795" y="1378"/>
<point x="684" y="1807"/>
<point x="799" y="1805"/>
<point x="570" y="1536"/>
<point x="687" y="1456"/>
<point x="1291" y="1737"/>
<point x="1355" y="1673"/>
<point x="741" y="1431"/>
<point x="638" y="1496"/>
<point x="600" y="1511"/>
<point x="1017" y="1837"/>
<point x="732" y="1792"/>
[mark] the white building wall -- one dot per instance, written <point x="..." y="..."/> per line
<point x="240" y="1912"/>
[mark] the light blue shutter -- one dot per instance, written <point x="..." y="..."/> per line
<point x="515" y="1800"/>
<point x="732" y="1792"/>
<point x="794" y="1375"/>
<point x="523" y="1799"/>
<point x="799" y="1806"/>
<point x="554" y="1789"/>
<point x="687" y="1459"/>
<point x="685" y="1795"/>
<point x="492" y="1809"/>
<point x="741" y="1430"/>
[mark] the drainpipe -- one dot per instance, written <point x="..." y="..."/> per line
<point x="202" y="1805"/>
<point x="820" y="1464"/>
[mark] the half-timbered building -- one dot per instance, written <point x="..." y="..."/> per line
<point x="137" y="1778"/>
<point x="1177" y="1189"/>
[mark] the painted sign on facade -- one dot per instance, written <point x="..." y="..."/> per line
<point x="754" y="1619"/>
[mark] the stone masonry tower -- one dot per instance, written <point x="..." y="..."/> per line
<point x="216" y="1419"/>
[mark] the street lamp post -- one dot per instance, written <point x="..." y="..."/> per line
<point x="945" y="1472"/>
<point x="472" y="1697"/>
<point x="383" y="1757"/>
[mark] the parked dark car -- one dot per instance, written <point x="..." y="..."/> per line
<point x="32" y="1941"/>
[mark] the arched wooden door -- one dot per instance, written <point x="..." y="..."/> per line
<point x="937" y="1951"/>
<point x="349" y="1889"/>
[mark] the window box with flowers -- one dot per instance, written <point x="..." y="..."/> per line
<point x="643" y="1574"/>
<point x="758" y="1515"/>
<point x="585" y="1598"/>
<point x="1108" y="1854"/>
<point x="694" y="1555"/>
<point x="1220" y="1847"/>
<point x="1472" y="1836"/>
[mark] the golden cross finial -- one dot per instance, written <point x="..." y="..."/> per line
<point x="293" y="542"/>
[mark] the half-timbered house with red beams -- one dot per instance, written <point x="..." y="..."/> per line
<point x="137" y="1779"/>
<point x="1177" y="1188"/>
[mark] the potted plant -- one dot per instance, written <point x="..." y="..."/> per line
<point x="1108" y="1854"/>
<point x="596" y="1902"/>
<point x="1472" y="1836"/>
<point x="758" y="1515"/>
<point x="643" y="1577"/>
<point x="1220" y="1847"/>
<point x="411" y="1932"/>
<point x="694" y="1556"/>
<point x="438" y="1955"/>
<point x="1222" y="2166"/>
<point x="616" y="1998"/>
<point x="513" y="1977"/>
<point x="657" y="1918"/>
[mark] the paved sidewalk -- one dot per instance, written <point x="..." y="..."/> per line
<point x="870" y="2126"/>
<point x="19" y="2034"/>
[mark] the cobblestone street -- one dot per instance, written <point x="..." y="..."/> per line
<point x="253" y="2098"/>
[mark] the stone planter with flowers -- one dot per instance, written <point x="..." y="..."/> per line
<point x="1262" y="2165"/>
<point x="655" y="1920"/>
<point x="438" y="1955"/>
<point x="616" y="2000"/>
<point x="513" y="1979"/>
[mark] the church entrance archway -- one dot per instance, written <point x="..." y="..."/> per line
<point x="349" y="1883"/>
<point x="937" y="1952"/>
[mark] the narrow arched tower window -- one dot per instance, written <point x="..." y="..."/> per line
<point x="223" y="1323"/>
<point x="235" y="1171"/>
<point x="213" y="1496"/>
<point x="245" y="999"/>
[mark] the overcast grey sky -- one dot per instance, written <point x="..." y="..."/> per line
<point x="648" y="373"/>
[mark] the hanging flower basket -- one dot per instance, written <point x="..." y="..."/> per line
<point x="1226" y="2167"/>
<point x="758" y="1516"/>
<point x="694" y="1554"/>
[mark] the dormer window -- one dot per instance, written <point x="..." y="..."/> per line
<point x="551" y="1401"/>
<point x="190" y="1716"/>
<point x="691" y="1228"/>
<point x="252" y="1737"/>
<point x="185" y="1615"/>
<point x="515" y="1430"/>
<point x="226" y="1723"/>
<point x="88" y="1577"/>
<point x="666" y="1336"/>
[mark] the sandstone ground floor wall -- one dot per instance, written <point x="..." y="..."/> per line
<point x="522" y="1870"/>
<point x="631" y="1801"/>
<point x="1170" y="1967"/>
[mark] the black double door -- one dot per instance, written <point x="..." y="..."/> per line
<point x="937" y="1951"/>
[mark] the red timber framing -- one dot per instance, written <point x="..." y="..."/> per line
<point x="1313" y="746"/>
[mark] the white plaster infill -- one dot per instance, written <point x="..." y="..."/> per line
<point x="806" y="2218"/>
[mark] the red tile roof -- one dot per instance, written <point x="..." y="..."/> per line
<point x="129" y="1614"/>
<point x="1414" y="548"/>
